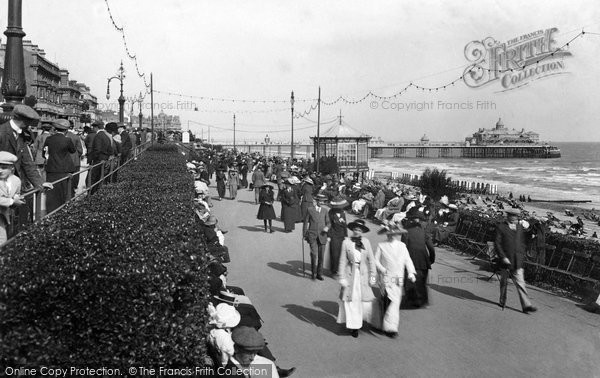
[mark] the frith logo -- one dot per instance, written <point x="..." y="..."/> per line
<point x="514" y="63"/>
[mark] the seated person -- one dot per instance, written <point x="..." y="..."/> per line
<point x="221" y="320"/>
<point x="447" y="226"/>
<point x="248" y="347"/>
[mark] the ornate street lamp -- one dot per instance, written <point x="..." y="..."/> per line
<point x="120" y="76"/>
<point x="140" y="115"/>
<point x="14" y="86"/>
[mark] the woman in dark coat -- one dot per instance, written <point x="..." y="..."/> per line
<point x="221" y="179"/>
<point x="290" y="207"/>
<point x="265" y="210"/>
<point x="337" y="232"/>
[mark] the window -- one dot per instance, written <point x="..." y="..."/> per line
<point x="346" y="155"/>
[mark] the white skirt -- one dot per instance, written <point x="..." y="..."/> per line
<point x="354" y="312"/>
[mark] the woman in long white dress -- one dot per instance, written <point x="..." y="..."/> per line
<point x="357" y="275"/>
<point x="392" y="260"/>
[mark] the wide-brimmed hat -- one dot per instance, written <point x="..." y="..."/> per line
<point x="392" y="229"/>
<point x="360" y="224"/>
<point x="227" y="316"/>
<point x="285" y="174"/>
<point x="211" y="221"/>
<point x="267" y="186"/>
<point x="338" y="202"/>
<point x="356" y="186"/>
<point x="226" y="297"/>
<point x="452" y="206"/>
<point x="308" y="180"/>
<point x="414" y="213"/>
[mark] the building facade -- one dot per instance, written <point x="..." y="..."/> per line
<point x="501" y="135"/>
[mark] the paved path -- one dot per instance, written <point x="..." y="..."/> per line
<point x="463" y="332"/>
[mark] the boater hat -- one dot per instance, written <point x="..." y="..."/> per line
<point x="338" y="203"/>
<point x="360" y="224"/>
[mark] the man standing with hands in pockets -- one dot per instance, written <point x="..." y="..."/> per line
<point x="314" y="230"/>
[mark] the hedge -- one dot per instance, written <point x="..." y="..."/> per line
<point x="117" y="279"/>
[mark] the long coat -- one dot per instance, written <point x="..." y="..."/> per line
<point x="420" y="247"/>
<point x="76" y="156"/>
<point x="290" y="208"/>
<point x="307" y="198"/>
<point x="60" y="148"/>
<point x="102" y="147"/>
<point x="346" y="270"/>
<point x="25" y="167"/>
<point x="510" y="244"/>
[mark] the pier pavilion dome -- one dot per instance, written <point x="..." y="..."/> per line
<point x="499" y="124"/>
<point x="348" y="145"/>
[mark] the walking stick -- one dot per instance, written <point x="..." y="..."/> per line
<point x="303" y="266"/>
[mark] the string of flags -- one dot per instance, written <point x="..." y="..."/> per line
<point x="130" y="55"/>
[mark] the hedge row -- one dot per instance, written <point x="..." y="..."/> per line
<point x="116" y="280"/>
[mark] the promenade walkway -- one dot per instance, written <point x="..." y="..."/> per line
<point x="463" y="333"/>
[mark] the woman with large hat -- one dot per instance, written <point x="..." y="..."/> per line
<point x="338" y="231"/>
<point x="265" y="210"/>
<point x="222" y="319"/>
<point x="446" y="226"/>
<point x="356" y="275"/>
<point x="290" y="206"/>
<point x="221" y="181"/>
<point x="392" y="259"/>
<point x="422" y="254"/>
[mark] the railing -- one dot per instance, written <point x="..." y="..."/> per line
<point x="34" y="208"/>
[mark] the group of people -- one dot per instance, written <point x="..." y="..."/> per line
<point x="47" y="151"/>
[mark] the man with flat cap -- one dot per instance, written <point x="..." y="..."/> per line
<point x="59" y="164"/>
<point x="510" y="247"/>
<point x="245" y="361"/>
<point x="13" y="141"/>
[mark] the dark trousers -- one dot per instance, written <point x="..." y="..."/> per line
<point x="125" y="156"/>
<point x="58" y="195"/>
<point x="316" y="256"/>
<point x="335" y="250"/>
<point x="75" y="181"/>
<point x="221" y="188"/>
<point x="96" y="176"/>
<point x="417" y="295"/>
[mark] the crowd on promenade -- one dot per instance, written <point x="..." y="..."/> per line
<point x="373" y="280"/>
<point x="51" y="155"/>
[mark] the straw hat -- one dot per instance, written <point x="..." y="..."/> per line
<point x="227" y="316"/>
<point x="338" y="202"/>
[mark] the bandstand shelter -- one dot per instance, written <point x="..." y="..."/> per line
<point x="348" y="145"/>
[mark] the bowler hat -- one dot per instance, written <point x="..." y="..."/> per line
<point x="358" y="224"/>
<point x="7" y="158"/>
<point x="26" y="112"/>
<point x="248" y="338"/>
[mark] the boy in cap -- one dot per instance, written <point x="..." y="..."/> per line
<point x="10" y="189"/>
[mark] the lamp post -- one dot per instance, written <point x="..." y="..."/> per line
<point x="14" y="87"/>
<point x="140" y="115"/>
<point x="120" y="76"/>
<point x="292" y="144"/>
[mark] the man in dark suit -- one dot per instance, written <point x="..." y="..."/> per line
<point x="422" y="253"/>
<point x="59" y="164"/>
<point x="510" y="247"/>
<point x="12" y="140"/>
<point x="126" y="145"/>
<point x="101" y="150"/>
<point x="314" y="229"/>
<point x="75" y="156"/>
<point x="89" y="139"/>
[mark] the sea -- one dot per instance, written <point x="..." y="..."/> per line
<point x="574" y="176"/>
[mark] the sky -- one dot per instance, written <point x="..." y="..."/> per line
<point x="264" y="50"/>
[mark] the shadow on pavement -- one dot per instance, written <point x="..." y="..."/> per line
<point x="248" y="202"/>
<point x="327" y="306"/>
<point x="460" y="293"/>
<point x="315" y="317"/>
<point x="291" y="267"/>
<point x="260" y="228"/>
